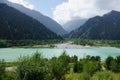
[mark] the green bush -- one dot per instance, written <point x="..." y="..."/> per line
<point x="60" y="66"/>
<point x="32" y="68"/>
<point x="2" y="69"/>
<point x="39" y="68"/>
<point x="105" y="75"/>
<point x="10" y="76"/>
<point x="113" y="64"/>
<point x="109" y="61"/>
<point x="89" y="68"/>
<point x="94" y="61"/>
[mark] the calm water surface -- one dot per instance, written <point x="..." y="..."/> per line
<point x="12" y="54"/>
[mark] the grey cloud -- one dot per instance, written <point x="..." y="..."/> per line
<point x="108" y="4"/>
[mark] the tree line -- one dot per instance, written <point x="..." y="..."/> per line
<point x="112" y="43"/>
<point x="20" y="43"/>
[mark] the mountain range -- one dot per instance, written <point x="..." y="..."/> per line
<point x="99" y="27"/>
<point x="18" y="22"/>
<point x="73" y="24"/>
<point x="48" y="22"/>
<point x="15" y="25"/>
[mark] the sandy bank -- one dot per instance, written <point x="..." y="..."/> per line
<point x="69" y="45"/>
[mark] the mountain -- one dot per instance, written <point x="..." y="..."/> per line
<point x="73" y="24"/>
<point x="48" y="22"/>
<point x="104" y="27"/>
<point x="15" y="25"/>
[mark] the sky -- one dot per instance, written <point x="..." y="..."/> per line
<point x="65" y="10"/>
<point x="45" y="7"/>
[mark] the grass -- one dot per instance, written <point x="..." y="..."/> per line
<point x="116" y="76"/>
<point x="99" y="75"/>
<point x="104" y="75"/>
<point x="11" y="64"/>
<point x="73" y="76"/>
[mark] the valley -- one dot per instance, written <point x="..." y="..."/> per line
<point x="72" y="46"/>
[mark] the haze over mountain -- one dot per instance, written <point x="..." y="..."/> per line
<point x="48" y="22"/>
<point x="15" y="25"/>
<point x="73" y="24"/>
<point x="104" y="27"/>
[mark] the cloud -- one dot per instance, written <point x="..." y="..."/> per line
<point x="24" y="3"/>
<point x="83" y="9"/>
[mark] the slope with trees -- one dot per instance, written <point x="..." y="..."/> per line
<point x="48" y="22"/>
<point x="105" y="27"/>
<point x="15" y="25"/>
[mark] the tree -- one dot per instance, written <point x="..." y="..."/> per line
<point x="76" y="65"/>
<point x="33" y="68"/>
<point x="75" y="69"/>
<point x="108" y="62"/>
<point x="2" y="69"/>
<point x="60" y="66"/>
<point x="104" y="75"/>
<point x="116" y="64"/>
<point x="89" y="68"/>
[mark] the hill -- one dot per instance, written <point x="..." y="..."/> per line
<point x="73" y="24"/>
<point x="15" y="25"/>
<point x="48" y="22"/>
<point x="100" y="27"/>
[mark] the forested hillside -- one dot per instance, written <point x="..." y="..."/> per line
<point x="105" y="27"/>
<point x="15" y="25"/>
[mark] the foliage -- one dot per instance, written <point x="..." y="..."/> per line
<point x="109" y="62"/>
<point x="60" y="66"/>
<point x="39" y="68"/>
<point x="18" y="26"/>
<point x="113" y="43"/>
<point x="99" y="27"/>
<point x="113" y="64"/>
<point x="76" y="65"/>
<point x="10" y="76"/>
<point x="84" y="42"/>
<point x="89" y="60"/>
<point x="89" y="68"/>
<point x="2" y="69"/>
<point x="32" y="68"/>
<point x="29" y="43"/>
<point x="106" y="75"/>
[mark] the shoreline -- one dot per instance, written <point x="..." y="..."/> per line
<point x="70" y="45"/>
<point x="65" y="45"/>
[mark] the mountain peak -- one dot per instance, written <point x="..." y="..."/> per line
<point x="48" y="22"/>
<point x="114" y="12"/>
<point x="23" y="27"/>
<point x="105" y="27"/>
<point x="3" y="1"/>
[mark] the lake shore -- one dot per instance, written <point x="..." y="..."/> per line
<point x="70" y="45"/>
<point x="65" y="45"/>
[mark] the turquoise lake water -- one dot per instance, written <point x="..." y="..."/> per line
<point x="12" y="54"/>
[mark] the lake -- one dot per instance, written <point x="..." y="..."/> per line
<point x="12" y="54"/>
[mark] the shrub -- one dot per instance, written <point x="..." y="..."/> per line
<point x="113" y="64"/>
<point x="109" y="62"/>
<point x="2" y="69"/>
<point x="89" y="68"/>
<point x="105" y="75"/>
<point x="32" y="68"/>
<point x="60" y="66"/>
